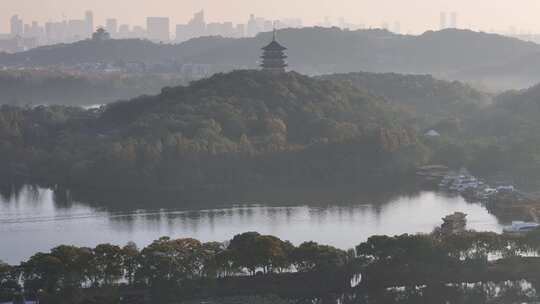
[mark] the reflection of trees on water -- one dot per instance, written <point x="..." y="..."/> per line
<point x="189" y="218"/>
<point x="16" y="193"/>
<point x="316" y="197"/>
<point x="11" y="191"/>
<point x="477" y="293"/>
<point x="158" y="212"/>
<point x="34" y="194"/>
<point x="62" y="197"/>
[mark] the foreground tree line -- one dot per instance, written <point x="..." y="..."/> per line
<point x="172" y="268"/>
<point x="164" y="263"/>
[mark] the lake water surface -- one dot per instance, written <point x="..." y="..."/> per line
<point x="34" y="221"/>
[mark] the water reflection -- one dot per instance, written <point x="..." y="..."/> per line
<point x="36" y="219"/>
<point x="482" y="292"/>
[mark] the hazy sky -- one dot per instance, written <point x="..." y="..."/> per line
<point x="415" y="15"/>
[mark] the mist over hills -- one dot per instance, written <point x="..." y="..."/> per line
<point x="450" y="54"/>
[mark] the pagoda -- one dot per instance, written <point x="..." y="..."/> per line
<point x="273" y="57"/>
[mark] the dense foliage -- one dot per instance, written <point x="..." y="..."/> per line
<point x="163" y="264"/>
<point x="500" y="139"/>
<point x="428" y="99"/>
<point x="28" y="88"/>
<point x="493" y="136"/>
<point x="183" y="268"/>
<point x="246" y="127"/>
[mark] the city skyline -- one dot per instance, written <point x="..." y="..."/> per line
<point x="483" y="15"/>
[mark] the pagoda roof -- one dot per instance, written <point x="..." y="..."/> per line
<point x="274" y="46"/>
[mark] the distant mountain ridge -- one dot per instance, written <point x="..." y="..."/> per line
<point x="452" y="54"/>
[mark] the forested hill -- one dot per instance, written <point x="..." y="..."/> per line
<point x="241" y="128"/>
<point x="514" y="115"/>
<point x="331" y="50"/>
<point x="28" y="88"/>
<point x="455" y="54"/>
<point x="111" y="51"/>
<point x="422" y="94"/>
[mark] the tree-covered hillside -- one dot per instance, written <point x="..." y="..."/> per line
<point x="242" y="128"/>
<point x="110" y="51"/>
<point x="28" y="88"/>
<point x="430" y="100"/>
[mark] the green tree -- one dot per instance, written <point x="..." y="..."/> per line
<point x="174" y="261"/>
<point x="107" y="260"/>
<point x="130" y="261"/>
<point x="310" y="256"/>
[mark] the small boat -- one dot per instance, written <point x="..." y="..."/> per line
<point x="521" y="227"/>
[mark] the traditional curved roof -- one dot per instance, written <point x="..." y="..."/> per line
<point x="274" y="46"/>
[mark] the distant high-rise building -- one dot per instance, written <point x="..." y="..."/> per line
<point x="213" y="28"/>
<point x="198" y="18"/>
<point x="158" y="29"/>
<point x="54" y="32"/>
<point x="240" y="31"/>
<point x="443" y="20"/>
<point x="34" y="30"/>
<point x="123" y="31"/>
<point x="454" y="20"/>
<point x="17" y="26"/>
<point x="252" y="27"/>
<point x="181" y="32"/>
<point x="138" y="31"/>
<point x="89" y="20"/>
<point x="196" y="27"/>
<point x="111" y="26"/>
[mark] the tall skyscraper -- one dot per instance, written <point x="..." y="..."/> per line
<point x="454" y="20"/>
<point x="17" y="26"/>
<point x="111" y="26"/>
<point x="197" y="25"/>
<point x="89" y="20"/>
<point x="252" y="27"/>
<point x="158" y="29"/>
<point x="443" y="20"/>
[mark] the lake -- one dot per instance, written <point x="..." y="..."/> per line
<point x="34" y="220"/>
